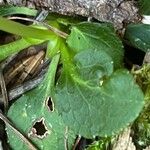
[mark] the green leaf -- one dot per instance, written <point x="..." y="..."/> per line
<point x="144" y="6"/>
<point x="93" y="65"/>
<point x="25" y="31"/>
<point x="14" y="47"/>
<point x="96" y="36"/>
<point x="10" y="10"/>
<point x="138" y="35"/>
<point x="63" y="19"/>
<point x="96" y="109"/>
<point x="33" y="107"/>
<point x="56" y="43"/>
<point x="54" y="46"/>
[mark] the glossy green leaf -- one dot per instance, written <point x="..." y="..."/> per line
<point x="138" y="35"/>
<point x="96" y="109"/>
<point x="32" y="108"/>
<point x="10" y="10"/>
<point x="144" y="6"/>
<point x="16" y="46"/>
<point x="96" y="36"/>
<point x="25" y="31"/>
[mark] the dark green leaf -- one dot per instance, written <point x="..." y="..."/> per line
<point x="93" y="65"/>
<point x="96" y="109"/>
<point x="32" y="108"/>
<point x="96" y="36"/>
<point x="144" y="6"/>
<point x="138" y="35"/>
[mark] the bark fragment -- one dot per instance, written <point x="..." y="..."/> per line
<point x="115" y="11"/>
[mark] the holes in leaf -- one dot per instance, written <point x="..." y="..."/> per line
<point x="78" y="38"/>
<point x="50" y="104"/>
<point x="39" y="129"/>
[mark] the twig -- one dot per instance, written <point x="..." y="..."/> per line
<point x="42" y="15"/>
<point x="66" y="139"/>
<point x="4" y="91"/>
<point x="21" y="89"/>
<point x="55" y="30"/>
<point x="24" y="139"/>
<point x="76" y="142"/>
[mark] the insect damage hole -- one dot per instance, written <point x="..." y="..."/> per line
<point x="39" y="129"/>
<point x="50" y="104"/>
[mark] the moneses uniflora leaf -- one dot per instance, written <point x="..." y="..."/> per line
<point x="97" y="36"/>
<point x="34" y="114"/>
<point x="138" y="35"/>
<point x="93" y="98"/>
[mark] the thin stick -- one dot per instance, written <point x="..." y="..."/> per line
<point x="29" y="70"/>
<point x="4" y="91"/>
<point x="42" y="15"/>
<point x="66" y="139"/>
<point x="76" y="142"/>
<point x="55" y="30"/>
<point x="24" y="139"/>
<point x="21" y="89"/>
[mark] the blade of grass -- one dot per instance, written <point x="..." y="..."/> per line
<point x="10" y="10"/>
<point x="13" y="47"/>
<point x="25" y="31"/>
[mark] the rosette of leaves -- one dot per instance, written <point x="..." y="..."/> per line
<point x="94" y="95"/>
